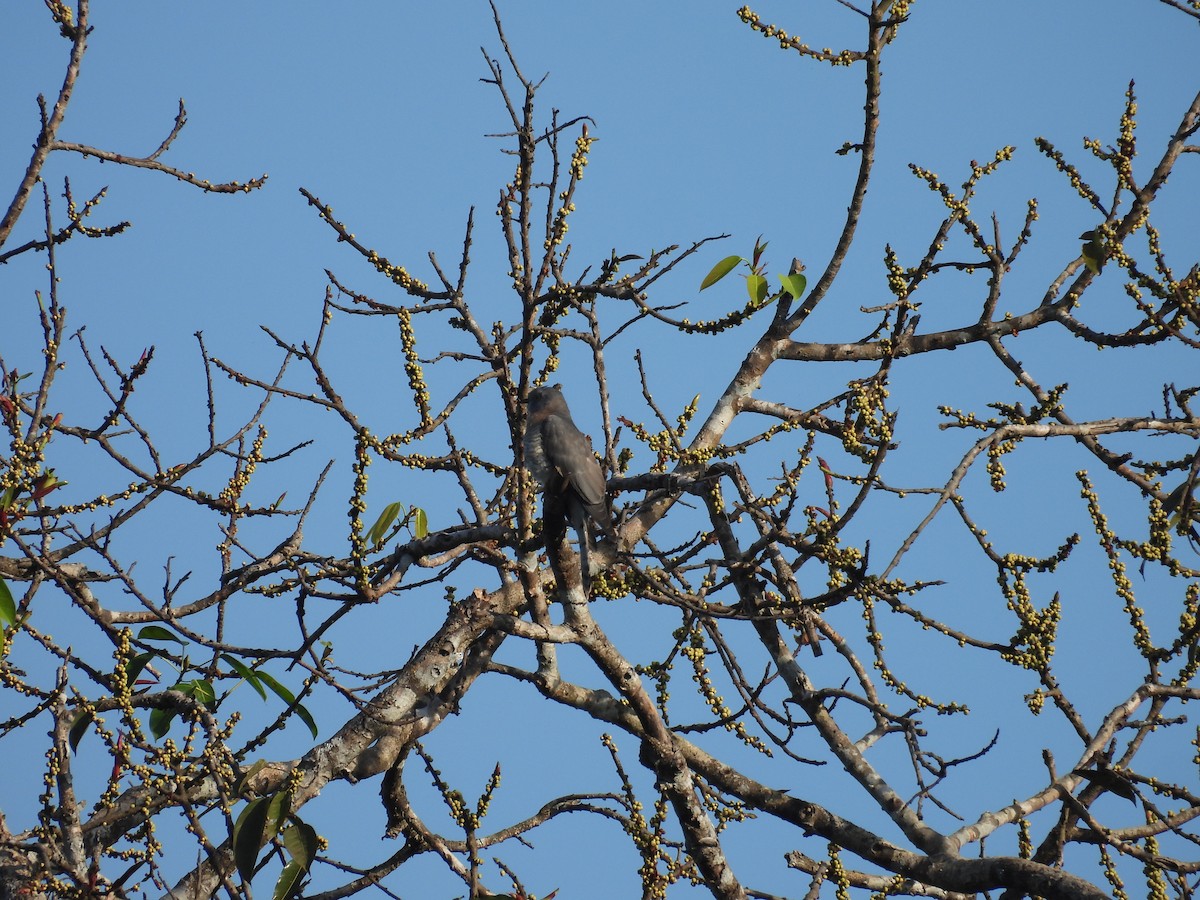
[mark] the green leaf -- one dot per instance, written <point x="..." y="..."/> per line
<point x="134" y="666"/>
<point x="420" y="523"/>
<point x="719" y="271"/>
<point x="157" y="633"/>
<point x="248" y="834"/>
<point x="201" y="690"/>
<point x="301" y="841"/>
<point x="279" y="690"/>
<point x="306" y="717"/>
<point x="8" y="606"/>
<point x="277" y="812"/>
<point x="290" y="699"/>
<point x="756" y="287"/>
<point x="288" y="883"/>
<point x="247" y="674"/>
<point x="258" y="766"/>
<point x="794" y="285"/>
<point x="160" y="721"/>
<point x="79" y="727"/>
<point x="383" y="523"/>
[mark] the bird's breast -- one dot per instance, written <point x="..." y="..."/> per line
<point x="535" y="456"/>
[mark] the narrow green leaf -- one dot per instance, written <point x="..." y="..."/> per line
<point x="79" y="728"/>
<point x="279" y="690"/>
<point x="306" y="717"/>
<point x="383" y="523"/>
<point x="288" y="884"/>
<point x="794" y="284"/>
<point x="719" y="271"/>
<point x="248" y="834"/>
<point x="247" y="674"/>
<point x="8" y="606"/>
<point x="301" y="841"/>
<point x="157" y="633"/>
<point x="134" y="666"/>
<point x="756" y="287"/>
<point x="420" y="523"/>
<point x="290" y="699"/>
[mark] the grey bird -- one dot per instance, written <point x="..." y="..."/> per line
<point x="560" y="457"/>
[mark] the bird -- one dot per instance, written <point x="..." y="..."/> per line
<point x="1095" y="250"/>
<point x="560" y="458"/>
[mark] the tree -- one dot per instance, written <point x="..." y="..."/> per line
<point x="778" y="580"/>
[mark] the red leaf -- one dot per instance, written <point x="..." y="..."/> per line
<point x="828" y="474"/>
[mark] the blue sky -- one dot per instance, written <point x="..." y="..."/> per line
<point x="704" y="128"/>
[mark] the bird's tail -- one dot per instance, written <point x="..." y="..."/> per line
<point x="585" y="571"/>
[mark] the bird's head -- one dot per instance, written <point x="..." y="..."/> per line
<point x="547" y="401"/>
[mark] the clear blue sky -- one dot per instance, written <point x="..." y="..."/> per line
<point x="705" y="128"/>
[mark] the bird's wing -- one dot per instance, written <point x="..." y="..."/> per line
<point x="568" y="451"/>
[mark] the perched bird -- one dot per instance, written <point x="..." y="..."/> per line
<point x="560" y="457"/>
<point x="1183" y="508"/>
<point x="1094" y="252"/>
